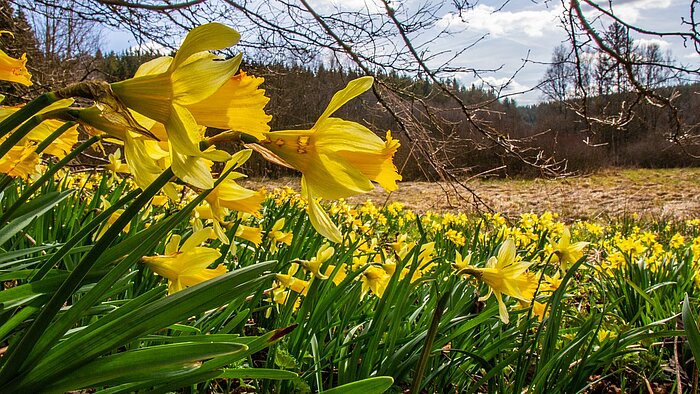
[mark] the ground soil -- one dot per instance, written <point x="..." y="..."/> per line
<point x="657" y="193"/>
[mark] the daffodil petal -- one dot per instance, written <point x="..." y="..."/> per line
<point x="155" y="66"/>
<point x="319" y="218"/>
<point x="202" y="275"/>
<point x="354" y="88"/>
<point x="237" y="159"/>
<point x="212" y="36"/>
<point x="197" y="238"/>
<point x="502" y="310"/>
<point x="506" y="254"/>
<point x="195" y="81"/>
<point x="142" y="167"/>
<point x="173" y="245"/>
<point x="183" y="132"/>
<point x="192" y="170"/>
<point x="333" y="178"/>
<point x="220" y="233"/>
<point x="236" y="197"/>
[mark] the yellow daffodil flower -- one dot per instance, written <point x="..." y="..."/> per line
<point x="280" y="296"/>
<point x="164" y="87"/>
<point x="539" y="309"/>
<point x="14" y="70"/>
<point x="110" y="221"/>
<point x="324" y="253"/>
<point x="677" y="241"/>
<point x="337" y="158"/>
<point x="339" y="276"/>
<point x="187" y="265"/>
<point x="115" y="163"/>
<point x="278" y="236"/>
<point x="456" y="237"/>
<point x="375" y="279"/>
<point x="252" y="234"/>
<point x="401" y="242"/>
<point x="461" y="263"/>
<point x="504" y="275"/>
<point x="228" y="194"/>
<point x="62" y="145"/>
<point x="551" y="283"/>
<point x="289" y="281"/>
<point x="604" y="335"/>
<point x="20" y="161"/>
<point x="565" y="252"/>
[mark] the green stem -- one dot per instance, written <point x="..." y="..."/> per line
<point x="427" y="348"/>
<point x="20" y="133"/>
<point x="48" y="175"/>
<point x="6" y="180"/>
<point x="16" y="360"/>
<point x="26" y="112"/>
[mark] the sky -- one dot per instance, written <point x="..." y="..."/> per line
<point x="518" y="30"/>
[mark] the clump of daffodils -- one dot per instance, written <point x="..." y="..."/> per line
<point x="161" y="114"/>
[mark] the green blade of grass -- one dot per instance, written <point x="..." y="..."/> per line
<point x="691" y="328"/>
<point x="374" y="385"/>
<point x="156" y="364"/>
<point x="44" y="204"/>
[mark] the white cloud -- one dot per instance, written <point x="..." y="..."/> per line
<point x="631" y="11"/>
<point x="370" y="5"/>
<point x="663" y="44"/>
<point x="150" y="47"/>
<point x="506" y="83"/>
<point x="484" y="18"/>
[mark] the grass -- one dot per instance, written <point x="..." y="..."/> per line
<point x="614" y="193"/>
<point x="392" y="310"/>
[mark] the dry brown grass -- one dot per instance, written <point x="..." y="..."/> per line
<point x="669" y="193"/>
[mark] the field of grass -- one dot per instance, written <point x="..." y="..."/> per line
<point x="401" y="304"/>
<point x="653" y="193"/>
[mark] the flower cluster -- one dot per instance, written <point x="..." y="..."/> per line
<point x="161" y="116"/>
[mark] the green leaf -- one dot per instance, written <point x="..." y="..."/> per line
<point x="258" y="373"/>
<point x="374" y="385"/>
<point x="19" y="204"/>
<point x="691" y="329"/>
<point x="80" y="349"/>
<point x="156" y="364"/>
<point x="37" y="207"/>
<point x="14" y="254"/>
<point x="18" y="354"/>
<point x="284" y="360"/>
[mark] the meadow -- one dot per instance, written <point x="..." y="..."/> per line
<point x="400" y="297"/>
<point x="160" y="272"/>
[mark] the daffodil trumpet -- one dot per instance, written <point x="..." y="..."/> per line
<point x="14" y="70"/>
